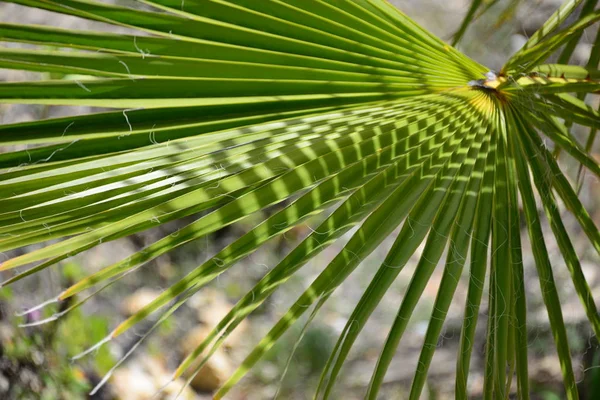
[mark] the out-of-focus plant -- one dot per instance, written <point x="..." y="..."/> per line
<point x="347" y="109"/>
<point x="36" y="361"/>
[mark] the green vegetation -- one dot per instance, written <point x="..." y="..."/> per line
<point x="36" y="361"/>
<point x="348" y="114"/>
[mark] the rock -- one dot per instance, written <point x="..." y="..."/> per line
<point x="211" y="306"/>
<point x="171" y="392"/>
<point x="193" y="339"/>
<point x="213" y="374"/>
<point x="143" y="379"/>
<point x="4" y="383"/>
<point x="133" y="384"/>
<point x="517" y="41"/>
<point x="546" y="371"/>
<point x="216" y="370"/>
<point x="590" y="271"/>
<point x="141" y="298"/>
<point x="582" y="53"/>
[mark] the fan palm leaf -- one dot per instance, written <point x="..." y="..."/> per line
<point x="345" y="110"/>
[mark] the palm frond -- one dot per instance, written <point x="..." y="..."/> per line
<point x="347" y="110"/>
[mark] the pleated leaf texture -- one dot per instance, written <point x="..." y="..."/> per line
<point x="344" y="111"/>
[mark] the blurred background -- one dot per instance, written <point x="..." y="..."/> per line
<point x="35" y="362"/>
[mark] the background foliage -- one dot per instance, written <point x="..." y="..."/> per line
<point x="236" y="107"/>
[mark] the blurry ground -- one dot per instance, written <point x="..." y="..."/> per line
<point x="26" y="362"/>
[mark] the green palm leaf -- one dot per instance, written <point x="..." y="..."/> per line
<point x="347" y="110"/>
